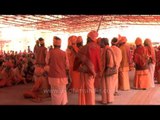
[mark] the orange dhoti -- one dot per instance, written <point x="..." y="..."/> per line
<point x="87" y="91"/>
<point x="124" y="79"/>
<point x="110" y="88"/>
<point x="103" y="89"/>
<point x="116" y="83"/>
<point x="75" y="84"/>
<point x="151" y="71"/>
<point x="142" y="79"/>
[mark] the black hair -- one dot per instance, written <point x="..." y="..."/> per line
<point x="57" y="38"/>
<point x="104" y="42"/>
<point x="114" y="40"/>
<point x="89" y="40"/>
<point x="80" y="44"/>
<point x="40" y="39"/>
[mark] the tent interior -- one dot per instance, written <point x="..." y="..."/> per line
<point x="20" y="32"/>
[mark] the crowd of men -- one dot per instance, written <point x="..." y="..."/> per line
<point x="82" y="69"/>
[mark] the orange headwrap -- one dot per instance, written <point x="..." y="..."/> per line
<point x="93" y="35"/>
<point x="122" y="39"/>
<point x="138" y="41"/>
<point x="72" y="39"/>
<point x="39" y="71"/>
<point x="148" y="42"/>
<point x="79" y="39"/>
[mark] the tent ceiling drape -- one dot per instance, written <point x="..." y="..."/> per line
<point x="75" y="23"/>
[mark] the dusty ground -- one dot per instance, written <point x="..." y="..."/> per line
<point x="14" y="96"/>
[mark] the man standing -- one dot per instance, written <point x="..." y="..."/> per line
<point x="124" y="65"/>
<point x="79" y="42"/>
<point x="58" y="64"/>
<point x="71" y="51"/>
<point x="88" y="63"/>
<point x="36" y="47"/>
<point x="41" y="53"/>
<point x="104" y="44"/>
<point x="118" y="57"/>
<point x="152" y="59"/>
<point x="142" y="78"/>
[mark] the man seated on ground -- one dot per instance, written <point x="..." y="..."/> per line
<point x="19" y="74"/>
<point x="7" y="75"/>
<point x="41" y="88"/>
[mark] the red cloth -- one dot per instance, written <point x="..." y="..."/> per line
<point x="122" y="39"/>
<point x="93" y="35"/>
<point x="138" y="41"/>
<point x="72" y="39"/>
<point x="8" y="64"/>
<point x="41" y="55"/>
<point x="57" y="63"/>
<point x="98" y="40"/>
<point x="140" y="58"/>
<point x="75" y="48"/>
<point x="151" y="53"/>
<point x="89" y="56"/>
<point x="157" y="68"/>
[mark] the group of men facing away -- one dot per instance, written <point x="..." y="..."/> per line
<point x="84" y="67"/>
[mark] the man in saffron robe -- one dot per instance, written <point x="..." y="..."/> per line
<point x="41" y="53"/>
<point x="79" y="42"/>
<point x="41" y="88"/>
<point x="19" y="74"/>
<point x="152" y="59"/>
<point x="110" y="80"/>
<point x="58" y="65"/>
<point x="72" y="50"/>
<point x="118" y="57"/>
<point x="140" y="57"/>
<point x="104" y="44"/>
<point x="157" y="68"/>
<point x="7" y="74"/>
<point x="124" y="83"/>
<point x="98" y="78"/>
<point x="36" y="46"/>
<point x="87" y="62"/>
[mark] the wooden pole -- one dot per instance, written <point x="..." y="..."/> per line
<point x="99" y="24"/>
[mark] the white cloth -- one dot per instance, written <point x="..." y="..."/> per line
<point x="151" y="70"/>
<point x="58" y="91"/>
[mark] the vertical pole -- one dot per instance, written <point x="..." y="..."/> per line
<point x="99" y="24"/>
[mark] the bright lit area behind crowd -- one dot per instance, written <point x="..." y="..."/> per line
<point x="20" y="39"/>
